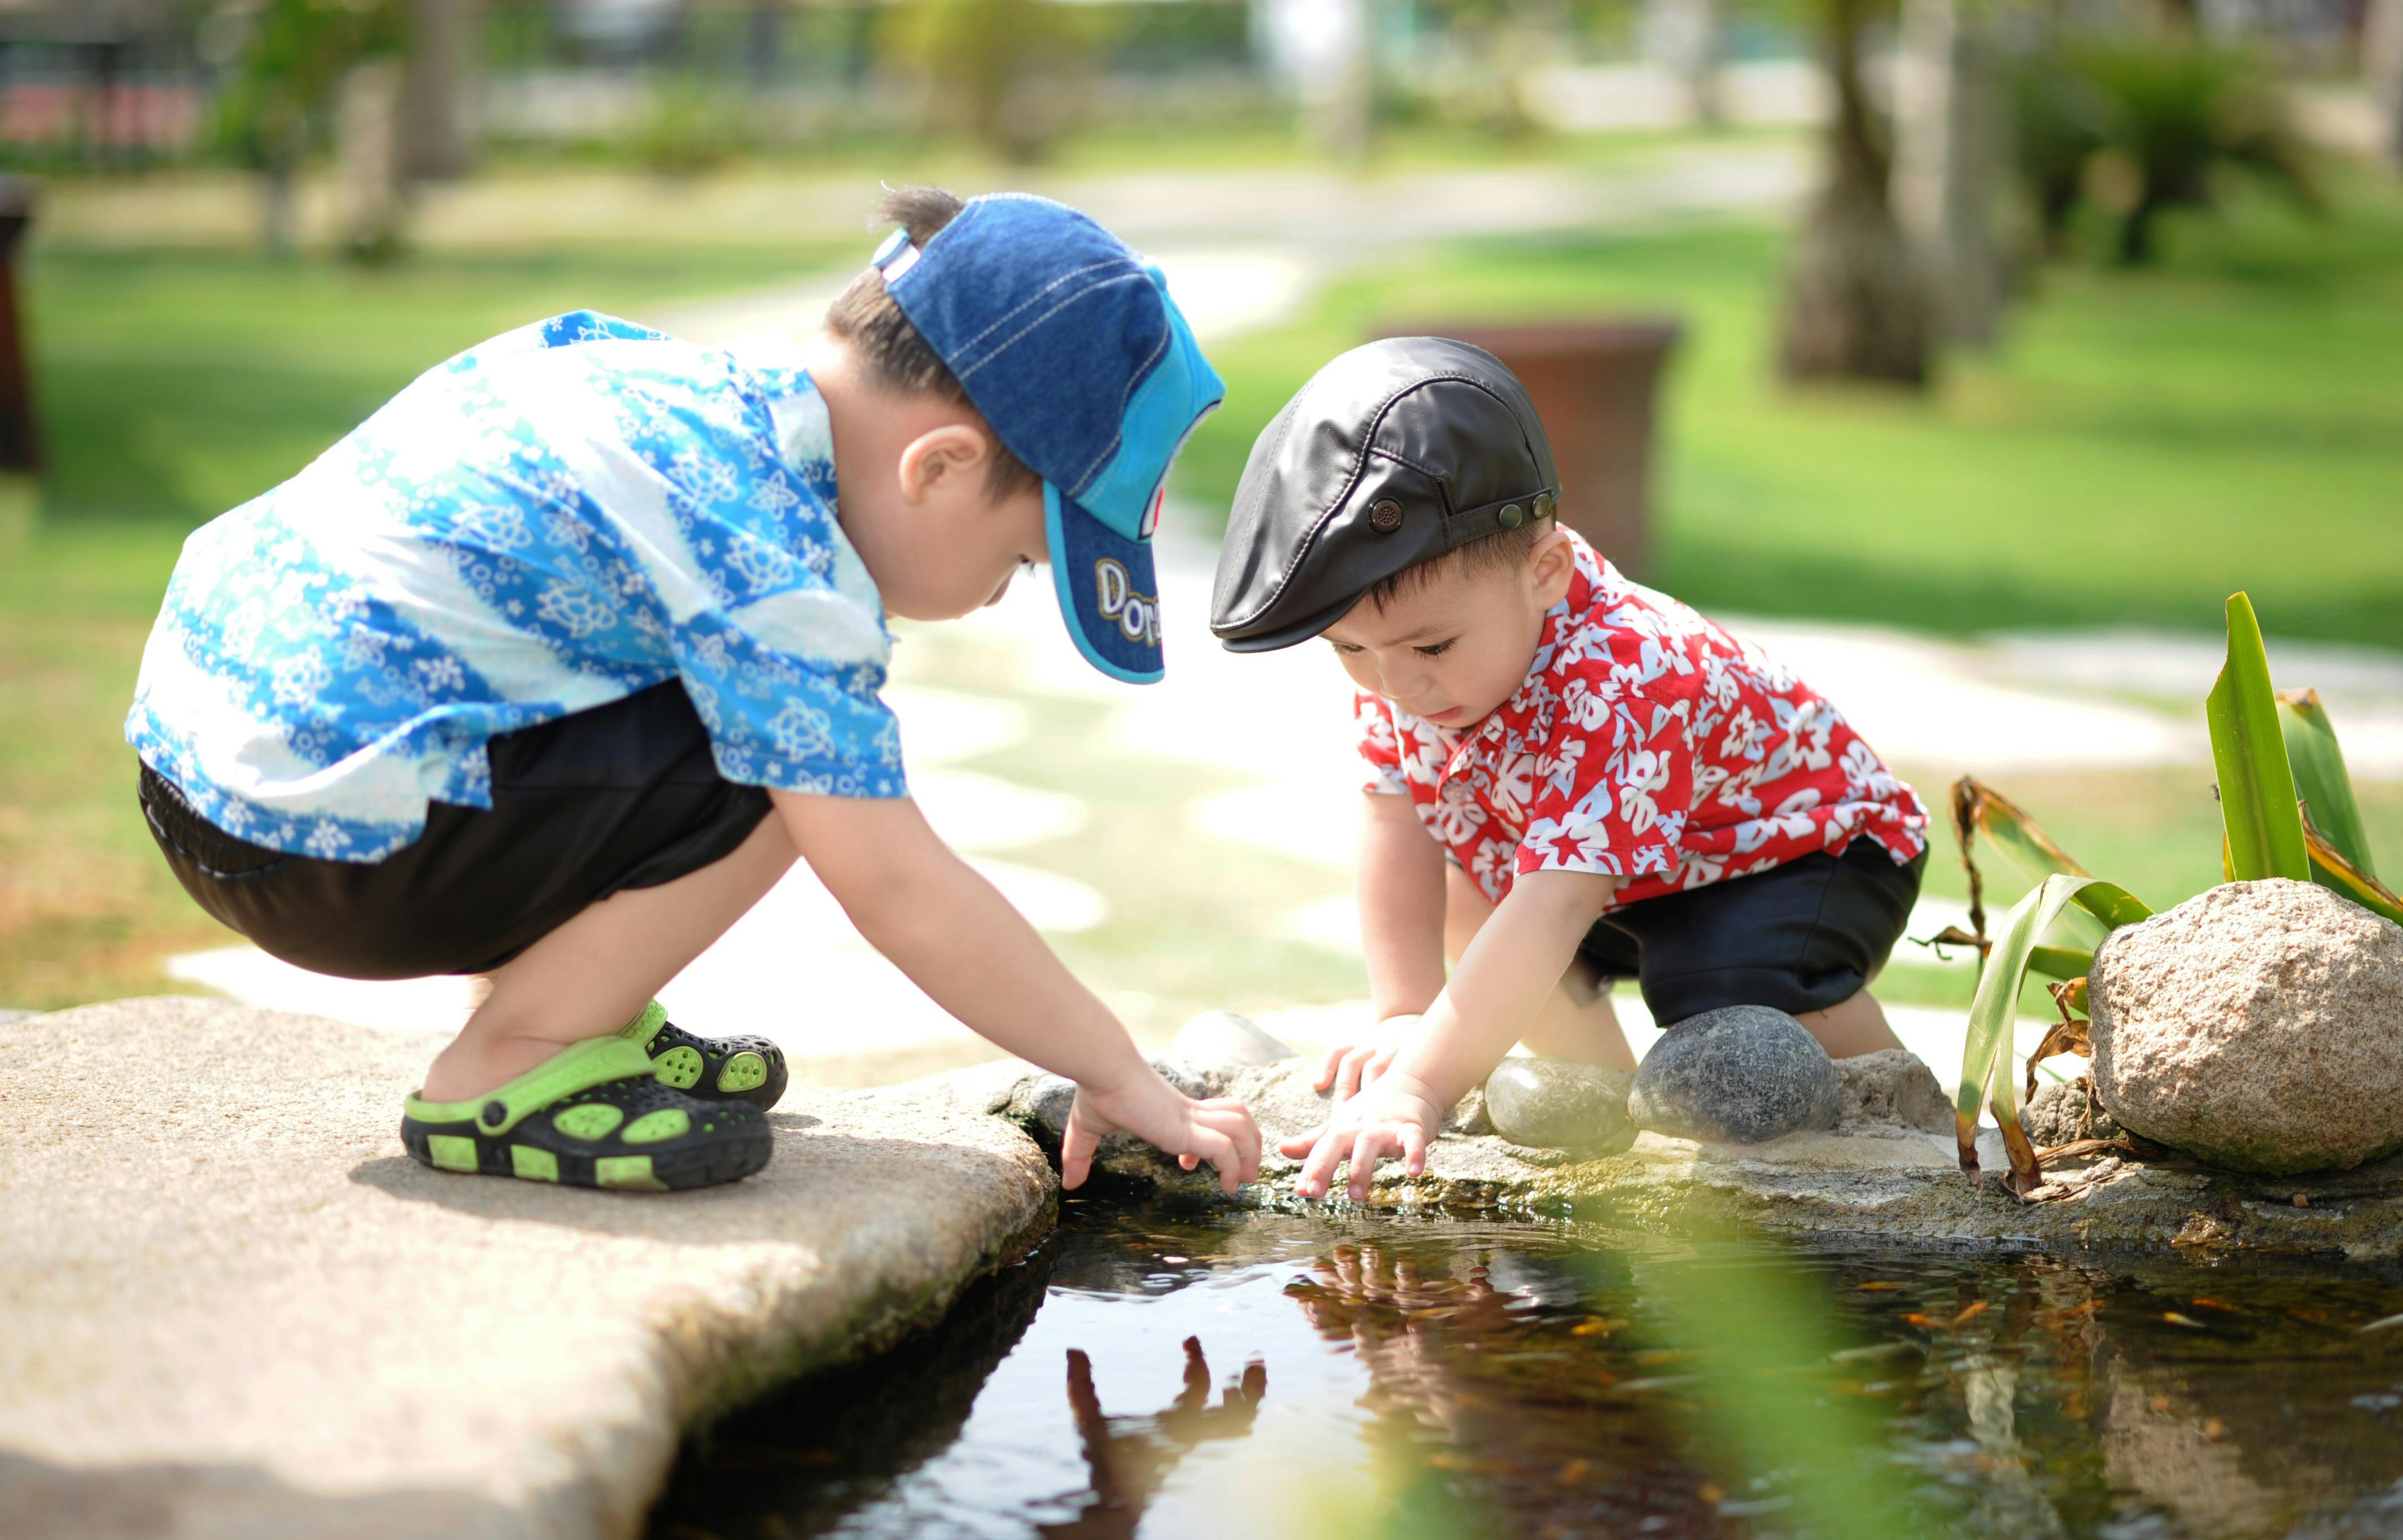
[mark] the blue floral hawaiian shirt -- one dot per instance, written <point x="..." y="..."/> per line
<point x="553" y="520"/>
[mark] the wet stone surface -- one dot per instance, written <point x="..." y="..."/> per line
<point x="1552" y="1103"/>
<point x="1738" y="1075"/>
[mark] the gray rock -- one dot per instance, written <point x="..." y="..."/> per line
<point x="1471" y="1115"/>
<point x="235" y="1308"/>
<point x="2065" y="1112"/>
<point x="1552" y="1103"/>
<point x="1890" y="1088"/>
<point x="1224" y="1041"/>
<point x="1737" y="1075"/>
<point x="1042" y="1100"/>
<point x="2259" y="1025"/>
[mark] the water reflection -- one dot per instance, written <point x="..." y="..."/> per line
<point x="1445" y="1376"/>
<point x="1517" y="1395"/>
<point x="1131" y="1456"/>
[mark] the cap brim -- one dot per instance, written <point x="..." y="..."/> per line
<point x="1108" y="590"/>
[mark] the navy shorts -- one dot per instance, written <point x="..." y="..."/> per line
<point x="624" y="795"/>
<point x="1801" y="937"/>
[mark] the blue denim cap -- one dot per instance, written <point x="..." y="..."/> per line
<point x="1069" y="345"/>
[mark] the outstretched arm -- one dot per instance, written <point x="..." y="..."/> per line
<point x="1502" y="981"/>
<point x="958" y="939"/>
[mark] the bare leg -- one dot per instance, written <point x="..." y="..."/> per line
<point x="1564" y="1029"/>
<point x="1856" y="1026"/>
<point x="589" y="977"/>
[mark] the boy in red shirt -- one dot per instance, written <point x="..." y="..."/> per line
<point x="1620" y="786"/>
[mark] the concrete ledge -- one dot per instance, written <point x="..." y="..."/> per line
<point x="230" y="1307"/>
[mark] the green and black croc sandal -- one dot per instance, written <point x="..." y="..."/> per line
<point x="596" y="1116"/>
<point x="729" y="1069"/>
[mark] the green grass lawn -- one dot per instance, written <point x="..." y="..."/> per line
<point x="2144" y="443"/>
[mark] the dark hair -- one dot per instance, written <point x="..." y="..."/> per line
<point x="1501" y="548"/>
<point x="889" y="347"/>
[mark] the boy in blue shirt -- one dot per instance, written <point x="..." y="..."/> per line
<point x="555" y="665"/>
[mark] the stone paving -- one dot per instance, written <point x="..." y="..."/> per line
<point x="235" y="1309"/>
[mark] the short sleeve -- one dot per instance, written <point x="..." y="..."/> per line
<point x="780" y="717"/>
<point x="1379" y="746"/>
<point x="1613" y="785"/>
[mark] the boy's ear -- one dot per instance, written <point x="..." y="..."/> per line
<point x="1554" y="565"/>
<point x="941" y="460"/>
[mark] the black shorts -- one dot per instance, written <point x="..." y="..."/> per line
<point x="1800" y="936"/>
<point x="624" y="795"/>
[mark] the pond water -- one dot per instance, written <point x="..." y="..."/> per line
<point x="1271" y="1373"/>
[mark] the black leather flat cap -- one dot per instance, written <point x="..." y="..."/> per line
<point x="1396" y="453"/>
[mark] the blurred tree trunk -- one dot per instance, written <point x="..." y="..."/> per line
<point x="1855" y="305"/>
<point x="279" y="187"/>
<point x="1689" y="36"/>
<point x="438" y="89"/>
<point x="373" y="214"/>
<point x="1340" y="100"/>
<point x="2381" y="69"/>
<point x="1951" y="163"/>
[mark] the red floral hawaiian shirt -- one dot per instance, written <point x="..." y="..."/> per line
<point x="1646" y="743"/>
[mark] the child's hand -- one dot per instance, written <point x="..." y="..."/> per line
<point x="1352" y="1068"/>
<point x="1218" y="1131"/>
<point x="1394" y="1120"/>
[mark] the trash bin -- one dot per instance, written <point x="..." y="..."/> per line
<point x="1593" y="384"/>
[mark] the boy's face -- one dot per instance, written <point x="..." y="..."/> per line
<point x="1452" y="648"/>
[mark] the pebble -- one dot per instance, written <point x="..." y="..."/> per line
<point x="1552" y="1103"/>
<point x="1737" y="1075"/>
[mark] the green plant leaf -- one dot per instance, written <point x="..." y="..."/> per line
<point x="1978" y="808"/>
<point x="2059" y="962"/>
<point x="2332" y="871"/>
<point x="2317" y="763"/>
<point x="2256" y="788"/>
<point x="1986" y="1057"/>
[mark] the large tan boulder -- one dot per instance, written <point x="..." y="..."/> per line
<point x="2258" y="1026"/>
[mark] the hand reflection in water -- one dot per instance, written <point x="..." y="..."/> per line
<point x="1402" y="1323"/>
<point x="1130" y="1456"/>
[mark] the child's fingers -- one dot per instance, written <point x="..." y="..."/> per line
<point x="1329" y="1066"/>
<point x="1234" y="1120"/>
<point x="1368" y="1149"/>
<point x="1318" y="1171"/>
<point x="1077" y="1146"/>
<point x="1413" y="1150"/>
<point x="1220" y="1151"/>
<point x="1359" y="1068"/>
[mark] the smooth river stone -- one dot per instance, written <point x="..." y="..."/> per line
<point x="1737" y="1075"/>
<point x="1551" y="1103"/>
